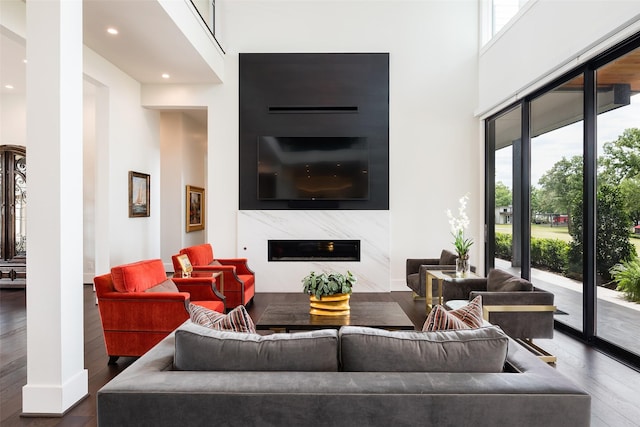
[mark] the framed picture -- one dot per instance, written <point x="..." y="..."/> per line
<point x="185" y="265"/>
<point x="195" y="208"/>
<point x="139" y="194"/>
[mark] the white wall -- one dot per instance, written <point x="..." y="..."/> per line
<point x="433" y="90"/>
<point x="131" y="134"/>
<point x="434" y="138"/>
<point x="172" y="161"/>
<point x="194" y="172"/>
<point x="13" y="132"/>
<point x="435" y="144"/>
<point x="548" y="39"/>
<point x="183" y="142"/>
<point x="88" y="181"/>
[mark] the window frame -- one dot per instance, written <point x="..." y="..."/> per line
<point x="588" y="70"/>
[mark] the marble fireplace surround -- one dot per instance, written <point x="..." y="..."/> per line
<point x="371" y="227"/>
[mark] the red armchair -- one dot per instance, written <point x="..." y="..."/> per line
<point x="238" y="278"/>
<point x="139" y="305"/>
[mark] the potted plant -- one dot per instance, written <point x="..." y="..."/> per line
<point x="329" y="293"/>
<point x="462" y="244"/>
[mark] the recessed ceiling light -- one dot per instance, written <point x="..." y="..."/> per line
<point x="165" y="76"/>
<point x="112" y="30"/>
<point x="8" y="86"/>
<point x="24" y="60"/>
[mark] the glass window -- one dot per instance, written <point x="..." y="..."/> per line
<point x="556" y="197"/>
<point x="618" y="201"/>
<point x="502" y="12"/>
<point x="579" y="134"/>
<point x="507" y="140"/>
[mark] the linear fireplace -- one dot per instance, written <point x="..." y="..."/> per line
<point x="313" y="250"/>
<point x="258" y="230"/>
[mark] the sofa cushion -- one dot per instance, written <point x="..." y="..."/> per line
<point x="502" y="281"/>
<point x="466" y="317"/>
<point x="467" y="350"/>
<point x="202" y="349"/>
<point x="166" y="286"/>
<point x="237" y="320"/>
<point x="138" y="276"/>
<point x="199" y="254"/>
<point x="247" y="279"/>
<point x="447" y="258"/>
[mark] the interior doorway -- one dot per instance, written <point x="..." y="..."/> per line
<point x="13" y="216"/>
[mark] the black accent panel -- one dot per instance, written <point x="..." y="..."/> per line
<point x="313" y="250"/>
<point x="313" y="109"/>
<point x="314" y="95"/>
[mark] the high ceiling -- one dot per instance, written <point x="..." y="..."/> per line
<point x="148" y="44"/>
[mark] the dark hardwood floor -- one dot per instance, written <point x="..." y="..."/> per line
<point x="615" y="388"/>
<point x="13" y="362"/>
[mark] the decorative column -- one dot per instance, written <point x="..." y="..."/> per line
<point x="56" y="378"/>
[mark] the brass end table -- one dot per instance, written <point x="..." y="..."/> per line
<point x="440" y="276"/>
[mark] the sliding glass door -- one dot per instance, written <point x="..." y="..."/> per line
<point x="506" y="142"/>
<point x="563" y="197"/>
<point x="618" y="201"/>
<point x="556" y="187"/>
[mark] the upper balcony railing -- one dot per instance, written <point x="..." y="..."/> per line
<point x="207" y="11"/>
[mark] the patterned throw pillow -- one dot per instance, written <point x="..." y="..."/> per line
<point x="237" y="320"/>
<point x="467" y="317"/>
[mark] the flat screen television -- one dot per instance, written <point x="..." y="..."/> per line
<point x="313" y="168"/>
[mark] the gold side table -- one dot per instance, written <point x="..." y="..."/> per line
<point x="440" y="276"/>
<point x="218" y="277"/>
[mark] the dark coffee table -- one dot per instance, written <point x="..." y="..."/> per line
<point x="295" y="316"/>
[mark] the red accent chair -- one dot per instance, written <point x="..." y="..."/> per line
<point x="139" y="305"/>
<point x="238" y="278"/>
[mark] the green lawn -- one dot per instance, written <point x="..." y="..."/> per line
<point x="543" y="231"/>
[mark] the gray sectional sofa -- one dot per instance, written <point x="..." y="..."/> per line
<point x="355" y="376"/>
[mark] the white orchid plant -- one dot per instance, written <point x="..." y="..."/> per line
<point x="458" y="225"/>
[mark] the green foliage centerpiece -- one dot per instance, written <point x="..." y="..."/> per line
<point x="329" y="293"/>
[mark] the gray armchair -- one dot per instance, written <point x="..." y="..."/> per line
<point x="520" y="309"/>
<point x="417" y="267"/>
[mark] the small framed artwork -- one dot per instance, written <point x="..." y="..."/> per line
<point x="195" y="208"/>
<point x="139" y="194"/>
<point x="185" y="265"/>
